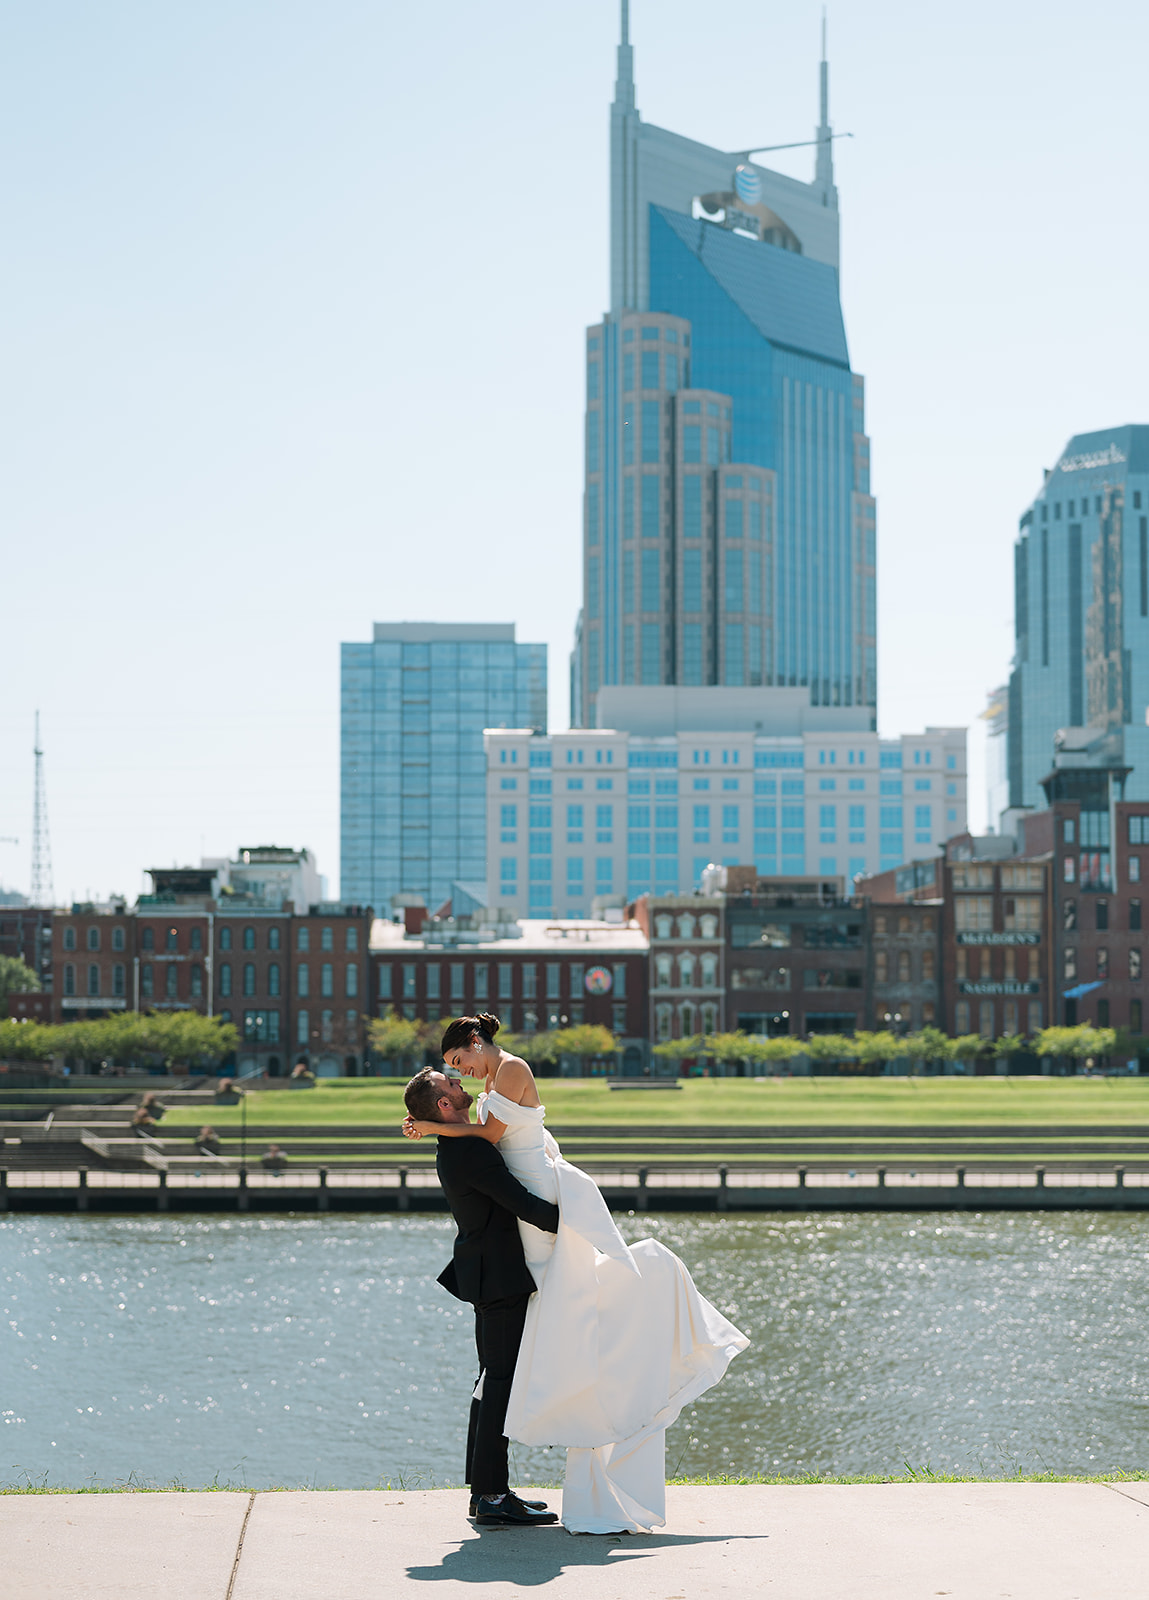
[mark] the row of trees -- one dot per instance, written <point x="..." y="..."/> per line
<point x="129" y="1038"/>
<point x="397" y="1038"/>
<point x="870" y="1049"/>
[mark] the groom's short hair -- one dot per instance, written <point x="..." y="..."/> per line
<point x="421" y="1096"/>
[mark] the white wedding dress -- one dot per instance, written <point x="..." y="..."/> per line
<point x="617" y="1340"/>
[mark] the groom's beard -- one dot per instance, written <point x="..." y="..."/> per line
<point x="459" y="1098"/>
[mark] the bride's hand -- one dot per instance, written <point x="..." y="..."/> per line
<point x="411" y="1129"/>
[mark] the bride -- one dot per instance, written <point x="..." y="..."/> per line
<point x="617" y="1338"/>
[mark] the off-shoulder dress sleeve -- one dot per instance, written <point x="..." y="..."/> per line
<point x="494" y="1104"/>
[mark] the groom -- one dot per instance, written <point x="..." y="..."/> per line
<point x="489" y="1270"/>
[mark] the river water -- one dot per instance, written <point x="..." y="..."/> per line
<point x="320" y="1351"/>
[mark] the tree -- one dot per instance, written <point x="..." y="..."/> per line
<point x="586" y="1040"/>
<point x="15" y="978"/>
<point x="26" y="1041"/>
<point x="830" y="1047"/>
<point x="884" y="1046"/>
<point x="680" y="1049"/>
<point x="1076" y="1043"/>
<point x="966" y="1046"/>
<point x="393" y="1037"/>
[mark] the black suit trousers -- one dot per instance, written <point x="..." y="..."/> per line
<point x="498" y="1334"/>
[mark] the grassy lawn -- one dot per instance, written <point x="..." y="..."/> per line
<point x="754" y="1102"/>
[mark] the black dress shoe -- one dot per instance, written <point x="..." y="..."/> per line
<point x="510" y="1512"/>
<point x="531" y="1505"/>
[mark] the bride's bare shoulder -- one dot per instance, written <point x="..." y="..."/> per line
<point x="515" y="1081"/>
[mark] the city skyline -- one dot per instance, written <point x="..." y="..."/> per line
<point x="231" y="449"/>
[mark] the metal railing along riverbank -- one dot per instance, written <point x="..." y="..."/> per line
<point x="722" y="1188"/>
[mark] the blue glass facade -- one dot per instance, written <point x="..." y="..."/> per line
<point x="1081" y="609"/>
<point x="415" y="702"/>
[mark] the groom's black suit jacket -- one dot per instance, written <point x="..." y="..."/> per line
<point x="485" y="1201"/>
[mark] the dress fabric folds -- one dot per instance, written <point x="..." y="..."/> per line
<point x="617" y="1340"/>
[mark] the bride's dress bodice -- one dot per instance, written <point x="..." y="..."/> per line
<point x="529" y="1152"/>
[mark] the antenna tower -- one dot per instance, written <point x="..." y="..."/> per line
<point x="42" y="892"/>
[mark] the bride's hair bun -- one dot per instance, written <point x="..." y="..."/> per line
<point x="488" y="1025"/>
<point x="459" y="1034"/>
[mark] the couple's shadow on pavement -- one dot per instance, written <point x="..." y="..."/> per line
<point x="533" y="1556"/>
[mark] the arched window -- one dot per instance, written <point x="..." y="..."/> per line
<point x="249" y="977"/>
<point x="881" y="966"/>
<point x="172" y="976"/>
<point x="196" y="982"/>
<point x="350" y="1024"/>
<point x="93" y="979"/>
<point x="709" y="965"/>
<point x="69" y="938"/>
<point x="273" y="978"/>
<point x="273" y="938"/>
<point x="117" y="938"/>
<point x="663" y="927"/>
<point x="353" y="938"/>
<point x="327" y="939"/>
<point x="903" y="966"/>
<point x="709" y="926"/>
<point x="686" y="970"/>
<point x="709" y="1018"/>
<point x="93" y="938"/>
<point x="197" y="938"/>
<point x="662" y="972"/>
<point x="249" y="938"/>
<point x="303" y="941"/>
<point x="663" y="1016"/>
<point x="929" y="966"/>
<point x="225" y="978"/>
<point x="173" y="939"/>
<point x="302" y="979"/>
<point x="69" y="979"/>
<point x="687" y="1015"/>
<point x="225" y="938"/>
<point x="327" y="978"/>
<point x="686" y="927"/>
<point x="148" y="939"/>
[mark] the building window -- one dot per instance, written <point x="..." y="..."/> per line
<point x="530" y="981"/>
<point x="1135" y="965"/>
<point x="1103" y="964"/>
<point x="929" y="966"/>
<point x="195" y="939"/>
<point x="249" y="977"/>
<point x="385" y="980"/>
<point x="119" y="975"/>
<point x="904" y="972"/>
<point x="974" y="913"/>
<point x="327" y="939"/>
<point x="224" y="938"/>
<point x="273" y="978"/>
<point x="432" y="979"/>
<point x="352" y="938"/>
<point x="881" y="967"/>
<point x="117" y="938"/>
<point x="408" y="980"/>
<point x="352" y="988"/>
<point x="303" y="979"/>
<point x="1103" y="1013"/>
<point x="663" y="1022"/>
<point x="69" y="938"/>
<point x="93" y="938"/>
<point x="171" y="980"/>
<point x="225" y="978"/>
<point x="148" y="939"/>
<point x="303" y="939"/>
<point x="1070" y="966"/>
<point x="273" y="938"/>
<point x="327" y="979"/>
<point x="196" y="982"/>
<point x="172" y="942"/>
<point x="351" y="1026"/>
<point x="458" y="989"/>
<point x="249" y="938"/>
<point x="1101" y="907"/>
<point x="1134" y="869"/>
<point x="554" y="981"/>
<point x="505" y="980"/>
<point x="302" y="1028"/>
<point x="1134" y="916"/>
<point x="94" y="979"/>
<point x="618" y="972"/>
<point x="326" y="1026"/>
<point x="147" y="980"/>
<point x="662" y="972"/>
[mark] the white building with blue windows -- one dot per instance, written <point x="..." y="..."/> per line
<point x="589" y="814"/>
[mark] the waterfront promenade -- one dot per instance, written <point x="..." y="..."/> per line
<point x="969" y="1541"/>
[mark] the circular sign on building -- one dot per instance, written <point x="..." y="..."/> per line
<point x="747" y="186"/>
<point x="598" y="981"/>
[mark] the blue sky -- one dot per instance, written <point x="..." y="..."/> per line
<point x="295" y="299"/>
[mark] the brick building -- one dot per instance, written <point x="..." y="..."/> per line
<point x="687" y="963"/>
<point x="294" y="983"/>
<point x="904" y="976"/>
<point x="533" y="975"/>
<point x="795" y="955"/>
<point x="26" y="935"/>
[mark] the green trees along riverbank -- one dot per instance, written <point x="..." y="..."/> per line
<point x="174" y="1038"/>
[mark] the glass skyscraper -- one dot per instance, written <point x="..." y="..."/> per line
<point x="415" y="702"/>
<point x="729" y="531"/>
<point x="1081" y="609"/>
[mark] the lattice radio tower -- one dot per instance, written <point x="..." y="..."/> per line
<point x="42" y="891"/>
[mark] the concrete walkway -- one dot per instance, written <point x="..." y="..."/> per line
<point x="970" y="1541"/>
